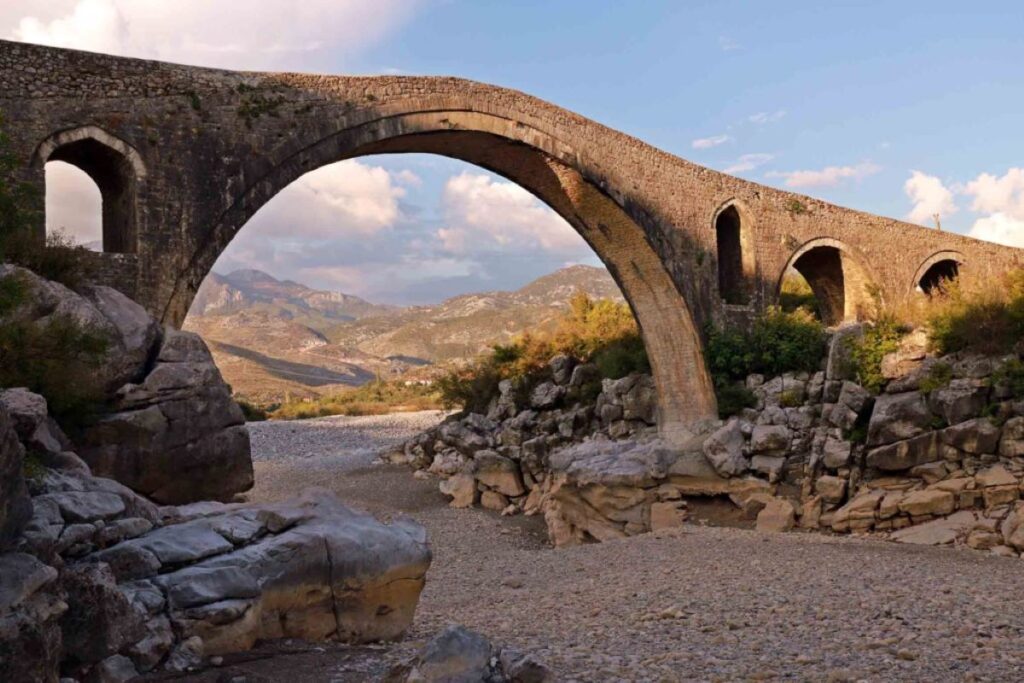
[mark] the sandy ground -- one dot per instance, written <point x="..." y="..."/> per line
<point x="697" y="604"/>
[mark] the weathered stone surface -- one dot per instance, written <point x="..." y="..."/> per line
<point x="997" y="475"/>
<point x="15" y="505"/>
<point x="562" y="367"/>
<point x="769" y="439"/>
<point x="85" y="506"/>
<point x="100" y="619"/>
<point x="498" y="473"/>
<point x="456" y="655"/>
<point x="176" y="436"/>
<point x="928" y="502"/>
<point x="724" y="450"/>
<point x="1011" y="443"/>
<point x="546" y="395"/>
<point x="831" y="489"/>
<point x="836" y="453"/>
<point x="961" y="400"/>
<point x="32" y="422"/>
<point x="898" y="416"/>
<point x="939" y="531"/>
<point x="667" y="515"/>
<point x="778" y="515"/>
<point x="973" y="436"/>
<point x="908" y="357"/>
<point x="462" y="489"/>
<point x="903" y="455"/>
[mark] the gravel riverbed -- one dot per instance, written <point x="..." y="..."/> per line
<point x="696" y="604"/>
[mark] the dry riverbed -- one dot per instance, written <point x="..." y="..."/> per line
<point x="697" y="604"/>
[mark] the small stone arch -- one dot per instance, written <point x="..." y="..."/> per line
<point x="733" y="225"/>
<point x="942" y="266"/>
<point x="116" y="168"/>
<point x="842" y="285"/>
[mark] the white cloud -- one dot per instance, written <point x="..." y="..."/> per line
<point x="930" y="196"/>
<point x="763" y="117"/>
<point x="1000" y="228"/>
<point x="829" y="176"/>
<point x="346" y="198"/>
<point x="482" y="212"/>
<point x="1004" y="194"/>
<point x="727" y="44"/>
<point x="708" y="143"/>
<point x="73" y="203"/>
<point x="748" y="162"/>
<point x="270" y="34"/>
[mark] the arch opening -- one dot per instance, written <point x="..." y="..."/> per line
<point x="527" y="158"/>
<point x="840" y="286"/>
<point x="735" y="265"/>
<point x="939" y="276"/>
<point x="116" y="170"/>
<point x="74" y="206"/>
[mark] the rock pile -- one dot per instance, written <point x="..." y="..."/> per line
<point x="169" y="428"/>
<point x="937" y="456"/>
<point x="101" y="584"/>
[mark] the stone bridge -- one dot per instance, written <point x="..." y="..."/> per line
<point x="184" y="157"/>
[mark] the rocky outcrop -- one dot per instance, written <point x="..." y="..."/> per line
<point x="176" y="436"/>
<point x="167" y="427"/>
<point x="104" y="585"/>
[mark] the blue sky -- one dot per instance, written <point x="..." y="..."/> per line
<point x="903" y="109"/>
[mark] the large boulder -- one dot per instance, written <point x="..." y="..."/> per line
<point x="898" y="416"/>
<point x="15" y="505"/>
<point x="724" y="450"/>
<point x="30" y="611"/>
<point x="177" y="436"/>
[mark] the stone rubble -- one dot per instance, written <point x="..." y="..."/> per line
<point x="818" y="452"/>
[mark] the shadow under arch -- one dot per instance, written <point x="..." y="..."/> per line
<point x="842" y="284"/>
<point x="734" y="227"/>
<point x="534" y="161"/>
<point x="116" y="168"/>
<point x="941" y="266"/>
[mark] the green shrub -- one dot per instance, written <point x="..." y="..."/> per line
<point x="866" y="352"/>
<point x="938" y="376"/>
<point x="1011" y="375"/>
<point x="56" y="359"/>
<point x="733" y="398"/>
<point x="796" y="293"/>
<point x="776" y="343"/>
<point x="983" y="317"/>
<point x="791" y="398"/>
<point x="602" y="332"/>
<point x="252" y="413"/>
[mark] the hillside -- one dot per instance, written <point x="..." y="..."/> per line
<point x="272" y="338"/>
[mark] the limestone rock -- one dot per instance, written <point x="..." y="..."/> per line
<point x="961" y="400"/>
<point x="769" y="440"/>
<point x="100" y="620"/>
<point x="462" y="489"/>
<point x="498" y="472"/>
<point x="928" y="502"/>
<point x="724" y="450"/>
<point x="176" y="436"/>
<point x="938" y="531"/>
<point x="831" y="489"/>
<point x="546" y="395"/>
<point x="977" y="436"/>
<point x="778" y="515"/>
<point x="836" y="453"/>
<point x="562" y="367"/>
<point x="838" y="365"/>
<point x="903" y="455"/>
<point x="1011" y="443"/>
<point x="456" y="655"/>
<point x="668" y="515"/>
<point x="897" y="417"/>
<point x="912" y="351"/>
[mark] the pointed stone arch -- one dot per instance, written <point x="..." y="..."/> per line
<point x="735" y="254"/>
<point x="842" y="284"/>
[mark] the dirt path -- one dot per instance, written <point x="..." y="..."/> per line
<point x="701" y="604"/>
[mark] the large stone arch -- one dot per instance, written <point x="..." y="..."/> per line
<point x="116" y="168"/>
<point x="542" y="165"/>
<point x="736" y="261"/>
<point x="840" y="279"/>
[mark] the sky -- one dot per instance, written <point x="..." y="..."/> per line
<point x="905" y="109"/>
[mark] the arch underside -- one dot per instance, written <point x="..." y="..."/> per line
<point x="669" y="331"/>
<point x="841" y="285"/>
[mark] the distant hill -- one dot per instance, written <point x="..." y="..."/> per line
<point x="272" y="337"/>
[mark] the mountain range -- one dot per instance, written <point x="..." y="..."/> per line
<point x="276" y="338"/>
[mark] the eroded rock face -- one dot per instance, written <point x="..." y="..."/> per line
<point x="177" y="436"/>
<point x="15" y="505"/>
<point x="168" y="429"/>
